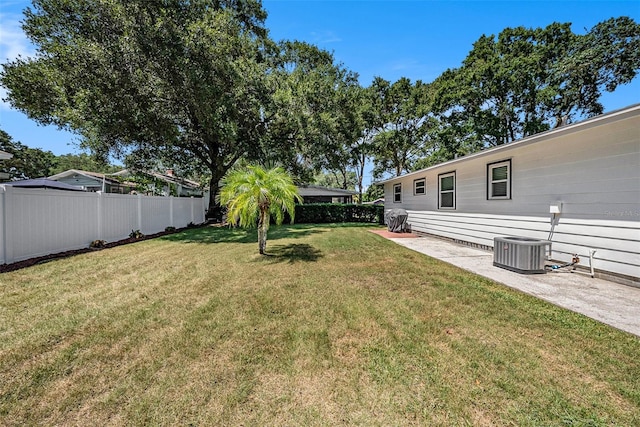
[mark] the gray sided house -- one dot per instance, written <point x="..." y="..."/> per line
<point x="93" y="181"/>
<point x="577" y="185"/>
<point x="167" y="184"/>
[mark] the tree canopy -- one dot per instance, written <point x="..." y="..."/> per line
<point x="521" y="82"/>
<point x="197" y="85"/>
<point x="311" y="119"/>
<point x="528" y="80"/>
<point x="194" y="83"/>
<point x="30" y="163"/>
<point x="26" y="163"/>
<point x="179" y="80"/>
<point x="82" y="161"/>
<point x="399" y="119"/>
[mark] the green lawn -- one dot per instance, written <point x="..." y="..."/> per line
<point x="336" y="327"/>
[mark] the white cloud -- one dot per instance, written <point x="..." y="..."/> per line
<point x="405" y="65"/>
<point x="323" y="37"/>
<point x="13" y="43"/>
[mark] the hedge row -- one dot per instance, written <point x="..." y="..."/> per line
<point x="319" y="213"/>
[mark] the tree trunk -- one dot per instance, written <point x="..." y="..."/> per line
<point x="214" y="210"/>
<point x="360" y="164"/>
<point x="263" y="226"/>
<point x="345" y="184"/>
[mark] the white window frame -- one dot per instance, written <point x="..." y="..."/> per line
<point x="491" y="181"/>
<point x="397" y="193"/>
<point x="440" y="191"/>
<point x="424" y="186"/>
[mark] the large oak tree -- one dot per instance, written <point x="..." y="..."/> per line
<point x="195" y="84"/>
<point x="528" y="80"/>
<point x="182" y="80"/>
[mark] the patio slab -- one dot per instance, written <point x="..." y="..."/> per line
<point x="611" y="303"/>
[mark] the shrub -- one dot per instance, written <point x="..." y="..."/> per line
<point x="97" y="244"/>
<point x="136" y="234"/>
<point x="319" y="213"/>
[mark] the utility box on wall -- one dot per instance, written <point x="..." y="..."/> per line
<point x="520" y="254"/>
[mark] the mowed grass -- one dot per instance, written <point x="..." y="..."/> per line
<point x="338" y="326"/>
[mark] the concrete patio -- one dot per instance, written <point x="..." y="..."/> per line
<point x="608" y="302"/>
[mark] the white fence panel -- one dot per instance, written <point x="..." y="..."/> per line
<point x="200" y="210"/>
<point x="119" y="216"/>
<point x="37" y="222"/>
<point x="182" y="212"/>
<point x="156" y="214"/>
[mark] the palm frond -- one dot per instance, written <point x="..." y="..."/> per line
<point x="245" y="191"/>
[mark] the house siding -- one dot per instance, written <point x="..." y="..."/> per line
<point x="94" y="184"/>
<point x="593" y="170"/>
<point x="81" y="181"/>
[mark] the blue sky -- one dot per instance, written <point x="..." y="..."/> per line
<point x="416" y="39"/>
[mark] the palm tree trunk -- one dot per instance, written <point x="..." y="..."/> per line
<point x="263" y="226"/>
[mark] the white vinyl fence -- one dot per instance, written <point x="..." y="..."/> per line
<point x="37" y="222"/>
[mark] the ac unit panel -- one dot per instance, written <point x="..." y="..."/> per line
<point x="520" y="254"/>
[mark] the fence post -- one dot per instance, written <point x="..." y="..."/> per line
<point x="139" y="212"/>
<point x="193" y="221"/>
<point x="171" y="223"/>
<point x="7" y="224"/>
<point x="100" y="215"/>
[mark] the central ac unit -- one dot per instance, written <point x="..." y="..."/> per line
<point x="520" y="254"/>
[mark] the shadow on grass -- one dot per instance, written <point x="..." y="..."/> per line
<point x="292" y="253"/>
<point x="224" y="234"/>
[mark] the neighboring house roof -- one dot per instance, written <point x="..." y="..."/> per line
<point x="93" y="181"/>
<point x="91" y="175"/>
<point x="317" y="191"/>
<point x="5" y="156"/>
<point x="567" y="129"/>
<point x="44" y="183"/>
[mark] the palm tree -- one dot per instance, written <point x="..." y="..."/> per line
<point x="253" y="194"/>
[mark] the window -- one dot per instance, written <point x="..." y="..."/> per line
<point x="420" y="187"/>
<point x="397" y="193"/>
<point x="499" y="180"/>
<point x="447" y="190"/>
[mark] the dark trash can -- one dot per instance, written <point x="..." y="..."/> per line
<point x="396" y="220"/>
